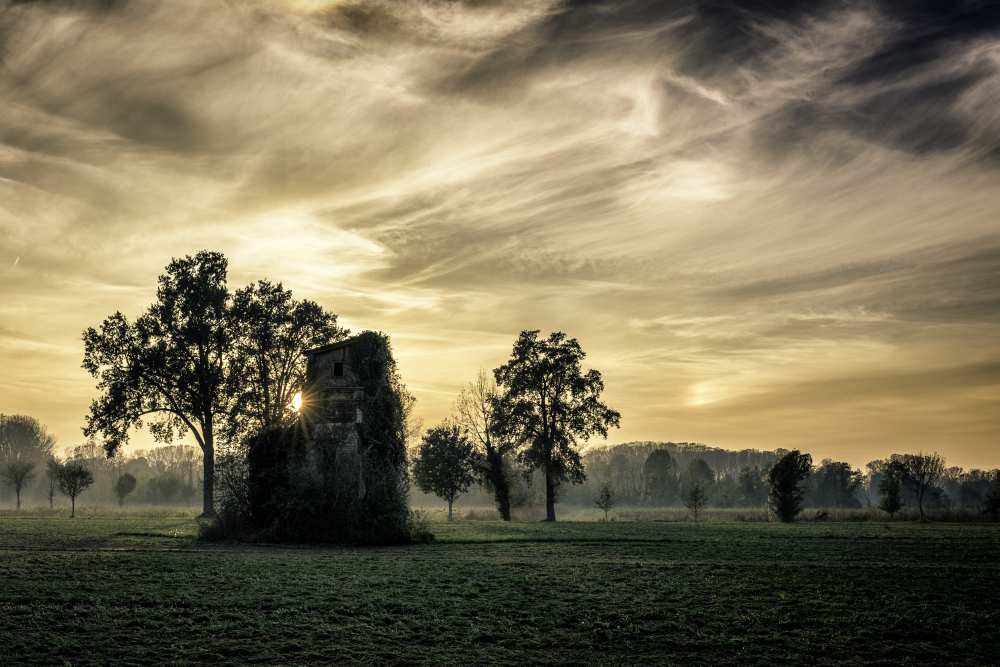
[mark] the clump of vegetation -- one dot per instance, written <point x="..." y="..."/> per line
<point x="786" y="479"/>
<point x="606" y="499"/>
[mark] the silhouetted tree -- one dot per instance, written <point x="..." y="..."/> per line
<point x="891" y="488"/>
<point x="23" y="438"/>
<point x="549" y="404"/>
<point x="695" y="498"/>
<point x="922" y="471"/>
<point x="786" y="479"/>
<point x="173" y="364"/>
<point x="658" y="476"/>
<point x="74" y="478"/>
<point x="835" y="484"/>
<point x="52" y="476"/>
<point x="17" y="474"/>
<point x="606" y="499"/>
<point x="699" y="471"/>
<point x="477" y="408"/>
<point x="124" y="486"/>
<point x="445" y="463"/>
<point x="991" y="504"/>
<point x="270" y="330"/>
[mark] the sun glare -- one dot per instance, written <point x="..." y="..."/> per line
<point x="297" y="401"/>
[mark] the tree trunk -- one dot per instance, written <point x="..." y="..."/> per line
<point x="450" y="501"/>
<point x="501" y="485"/>
<point x="18" y="491"/>
<point x="208" y="484"/>
<point x="550" y="497"/>
<point x="503" y="502"/>
<point x="72" y="506"/>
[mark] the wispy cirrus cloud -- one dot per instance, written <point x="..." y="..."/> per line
<point x="731" y="204"/>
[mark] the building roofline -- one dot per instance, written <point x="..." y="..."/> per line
<point x="329" y="347"/>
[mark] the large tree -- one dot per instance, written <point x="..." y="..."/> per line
<point x="271" y="329"/>
<point x="202" y="361"/>
<point x="549" y="404"/>
<point x="23" y="438"/>
<point x="173" y="365"/>
<point x="445" y="463"/>
<point x="477" y="414"/>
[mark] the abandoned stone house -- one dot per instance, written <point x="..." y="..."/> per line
<point x="332" y="404"/>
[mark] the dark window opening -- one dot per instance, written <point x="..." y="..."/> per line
<point x="338" y="369"/>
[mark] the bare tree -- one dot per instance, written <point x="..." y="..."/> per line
<point x="476" y="408"/>
<point x="923" y="471"/>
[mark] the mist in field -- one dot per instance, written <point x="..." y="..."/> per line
<point x="519" y="332"/>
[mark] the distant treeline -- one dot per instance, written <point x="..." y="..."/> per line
<point x="166" y="475"/>
<point x="658" y="473"/>
<point x="661" y="475"/>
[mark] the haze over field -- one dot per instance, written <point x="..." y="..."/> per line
<point x="768" y="228"/>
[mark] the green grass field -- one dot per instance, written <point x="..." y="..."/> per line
<point x="133" y="588"/>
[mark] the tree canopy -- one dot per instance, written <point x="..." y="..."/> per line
<point x="270" y="331"/>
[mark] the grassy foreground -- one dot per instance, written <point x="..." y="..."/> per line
<point x="128" y="588"/>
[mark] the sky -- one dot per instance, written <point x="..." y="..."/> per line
<point x="769" y="224"/>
